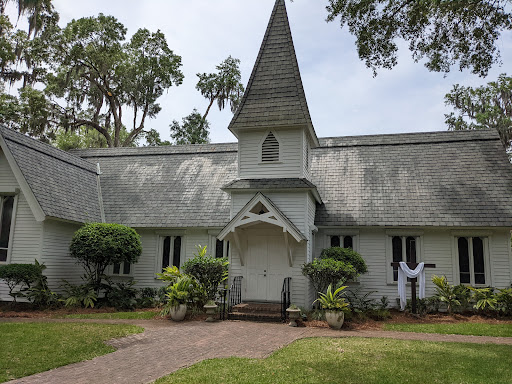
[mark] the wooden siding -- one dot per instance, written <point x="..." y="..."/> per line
<point x="290" y="156"/>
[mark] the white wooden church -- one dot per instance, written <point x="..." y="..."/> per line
<point x="273" y="200"/>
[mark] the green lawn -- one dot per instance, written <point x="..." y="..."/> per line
<point x="356" y="360"/>
<point x="28" y="348"/>
<point x="476" y="329"/>
<point x="146" y="315"/>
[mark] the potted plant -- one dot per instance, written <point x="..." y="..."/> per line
<point x="210" y="308"/>
<point x="334" y="305"/>
<point x="294" y="314"/>
<point x="178" y="296"/>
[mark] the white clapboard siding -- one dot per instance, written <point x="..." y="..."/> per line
<point x="290" y="154"/>
<point x="501" y="269"/>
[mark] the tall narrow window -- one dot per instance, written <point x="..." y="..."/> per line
<point x="410" y="250"/>
<point x="171" y="251"/>
<point x="465" y="273"/>
<point x="471" y="253"/>
<point x="335" y="241"/>
<point x="348" y="242"/>
<point x="270" y="149"/>
<point x="478" y="260"/>
<point x="404" y="248"/>
<point x="221" y="248"/>
<point x="397" y="254"/>
<point x="7" y="205"/>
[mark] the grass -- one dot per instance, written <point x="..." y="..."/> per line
<point x="146" y="315"/>
<point x="28" y="348"/>
<point x="357" y="360"/>
<point x="475" y="329"/>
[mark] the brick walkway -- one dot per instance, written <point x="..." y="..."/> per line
<point x="165" y="347"/>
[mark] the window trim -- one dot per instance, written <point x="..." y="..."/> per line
<point x="342" y="234"/>
<point x="486" y="240"/>
<point x="212" y="244"/>
<point x="418" y="236"/>
<point x="14" y="193"/>
<point x="160" y="248"/>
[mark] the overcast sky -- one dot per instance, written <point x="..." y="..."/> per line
<point x="343" y="96"/>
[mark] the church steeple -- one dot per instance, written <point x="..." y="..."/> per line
<point x="275" y="96"/>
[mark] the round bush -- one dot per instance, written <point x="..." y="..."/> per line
<point x="324" y="272"/>
<point x="346" y="255"/>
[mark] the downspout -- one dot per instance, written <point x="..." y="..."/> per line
<point x="100" y="197"/>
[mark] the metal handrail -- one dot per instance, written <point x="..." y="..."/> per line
<point x="235" y="293"/>
<point x="285" y="298"/>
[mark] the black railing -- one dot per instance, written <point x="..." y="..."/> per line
<point x="285" y="297"/>
<point x="235" y="293"/>
<point x="223" y="302"/>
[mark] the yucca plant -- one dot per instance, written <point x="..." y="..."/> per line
<point x="332" y="301"/>
<point x="445" y="292"/>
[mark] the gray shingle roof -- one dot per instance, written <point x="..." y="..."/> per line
<point x="166" y="187"/>
<point x="275" y="95"/>
<point x="64" y="185"/>
<point x="270" y="184"/>
<point x="423" y="179"/>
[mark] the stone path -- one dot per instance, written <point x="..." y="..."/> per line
<point x="165" y="347"/>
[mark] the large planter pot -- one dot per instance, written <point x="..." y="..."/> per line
<point x="178" y="312"/>
<point x="335" y="319"/>
<point x="293" y="314"/>
<point x="211" y="310"/>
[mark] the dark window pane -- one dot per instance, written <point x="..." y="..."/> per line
<point x="335" y="241"/>
<point x="126" y="268"/>
<point x="348" y="242"/>
<point x="463" y="260"/>
<point x="410" y="250"/>
<point x="397" y="255"/>
<point x="227" y="249"/>
<point x="3" y="254"/>
<point x="6" y="221"/>
<point x="219" y="248"/>
<point x="117" y="269"/>
<point x="176" y="252"/>
<point x="478" y="260"/>
<point x="166" y="253"/>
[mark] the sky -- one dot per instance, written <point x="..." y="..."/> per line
<point x="343" y="96"/>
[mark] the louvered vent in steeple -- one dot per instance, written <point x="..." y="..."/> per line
<point x="270" y="149"/>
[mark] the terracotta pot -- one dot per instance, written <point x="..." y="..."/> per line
<point x="178" y="312"/>
<point x="294" y="314"/>
<point x="335" y="319"/>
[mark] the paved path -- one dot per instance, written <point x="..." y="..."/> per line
<point x="165" y="347"/>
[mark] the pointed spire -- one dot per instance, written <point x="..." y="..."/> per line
<point x="275" y="96"/>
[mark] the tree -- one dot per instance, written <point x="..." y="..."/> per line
<point x="93" y="76"/>
<point x="443" y="32"/>
<point x="95" y="246"/>
<point x="485" y="107"/>
<point x="224" y="86"/>
<point x="153" y="139"/>
<point x="193" y="130"/>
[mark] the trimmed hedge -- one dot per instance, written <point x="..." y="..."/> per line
<point x="346" y="255"/>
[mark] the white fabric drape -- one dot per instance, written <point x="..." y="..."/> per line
<point x="403" y="273"/>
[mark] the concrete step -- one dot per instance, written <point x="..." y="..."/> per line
<point x="255" y="308"/>
<point x="256" y="316"/>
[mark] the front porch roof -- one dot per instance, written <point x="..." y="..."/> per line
<point x="267" y="212"/>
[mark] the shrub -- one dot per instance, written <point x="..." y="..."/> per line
<point x="40" y="293"/>
<point x="504" y="301"/>
<point x="346" y="255"/>
<point x="82" y="295"/>
<point x="185" y="290"/>
<point x="484" y="298"/>
<point x="365" y="307"/>
<point x="446" y="293"/>
<point x="325" y="272"/>
<point x="146" y="297"/>
<point x="209" y="271"/>
<point x="122" y="295"/>
<point x="96" y="246"/>
<point x="22" y="275"/>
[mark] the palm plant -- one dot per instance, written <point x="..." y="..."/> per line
<point x="445" y="292"/>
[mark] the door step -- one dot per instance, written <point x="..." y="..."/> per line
<point x="268" y="312"/>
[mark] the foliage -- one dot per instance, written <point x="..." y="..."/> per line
<point x="95" y="246"/>
<point x="170" y="274"/>
<point x="445" y="33"/>
<point x="209" y="271"/>
<point x="504" y="301"/>
<point x="364" y="306"/>
<point x="463" y="295"/>
<point x="181" y="292"/>
<point x="29" y="348"/>
<point x="92" y="76"/>
<point x="193" y="130"/>
<point x="484" y="107"/>
<point x="19" y="275"/>
<point x="82" y="295"/>
<point x="325" y="272"/>
<point x="40" y="293"/>
<point x="347" y="255"/>
<point x="84" y="137"/>
<point x="147" y="297"/>
<point x="332" y="301"/>
<point x="484" y="298"/>
<point x="446" y="292"/>
<point x="122" y="295"/>
<point x="153" y="139"/>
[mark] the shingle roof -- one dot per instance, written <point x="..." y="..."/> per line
<point x="270" y="184"/>
<point x="166" y="187"/>
<point x="423" y="179"/>
<point x="274" y="96"/>
<point x="64" y="185"/>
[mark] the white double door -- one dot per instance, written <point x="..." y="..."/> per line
<point x="267" y="267"/>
